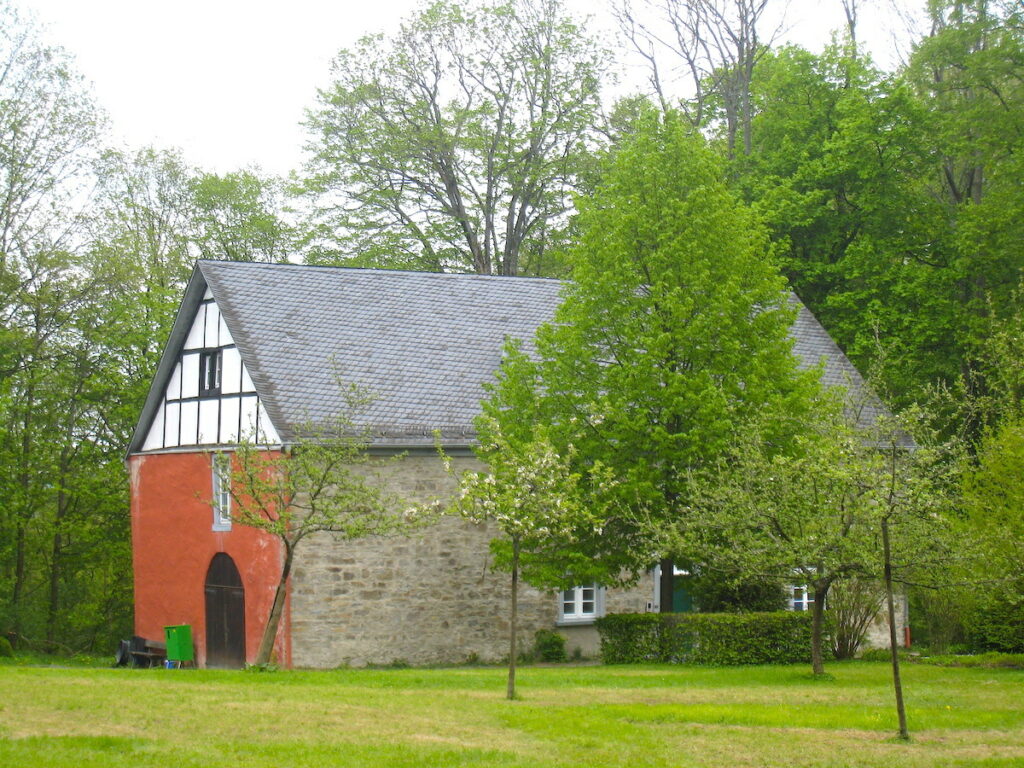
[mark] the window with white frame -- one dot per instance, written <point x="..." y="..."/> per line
<point x="210" y="366"/>
<point x="800" y="598"/>
<point x="221" y="465"/>
<point x="580" y="604"/>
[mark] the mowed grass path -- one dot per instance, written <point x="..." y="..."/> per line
<point x="585" y="716"/>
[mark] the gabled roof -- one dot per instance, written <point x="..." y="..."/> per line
<point x="422" y="344"/>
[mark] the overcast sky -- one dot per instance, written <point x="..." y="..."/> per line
<point x="227" y="80"/>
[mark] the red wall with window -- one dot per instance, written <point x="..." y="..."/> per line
<point x="173" y="544"/>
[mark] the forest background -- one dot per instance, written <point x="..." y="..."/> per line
<point x="458" y="143"/>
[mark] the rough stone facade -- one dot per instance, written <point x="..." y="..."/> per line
<point x="877" y="635"/>
<point x="427" y="598"/>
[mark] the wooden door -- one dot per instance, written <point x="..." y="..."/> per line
<point x="225" y="614"/>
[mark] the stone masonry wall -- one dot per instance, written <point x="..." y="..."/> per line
<point x="430" y="597"/>
<point x="427" y="598"/>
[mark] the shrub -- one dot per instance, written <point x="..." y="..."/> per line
<point x="852" y="605"/>
<point x="998" y="623"/>
<point x="937" y="618"/>
<point x="549" y="645"/>
<point x="780" y="637"/>
<point x="6" y="650"/>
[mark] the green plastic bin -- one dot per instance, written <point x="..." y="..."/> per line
<point x="179" y="642"/>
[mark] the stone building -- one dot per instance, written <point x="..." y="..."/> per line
<point x="259" y="348"/>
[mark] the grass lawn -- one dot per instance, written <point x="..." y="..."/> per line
<point x="582" y="716"/>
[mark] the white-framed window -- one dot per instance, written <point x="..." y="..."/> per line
<point x="580" y="604"/>
<point x="800" y="598"/>
<point x="210" y="366"/>
<point x="221" y="472"/>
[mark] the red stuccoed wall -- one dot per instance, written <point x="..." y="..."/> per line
<point x="172" y="545"/>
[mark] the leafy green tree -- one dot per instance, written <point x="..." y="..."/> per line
<point x="455" y="144"/>
<point x="321" y="483"/>
<point x="63" y="490"/>
<point x="672" y="334"/>
<point x="994" y="493"/>
<point x="839" y="157"/>
<point x="238" y="217"/>
<point x="968" y="73"/>
<point x="894" y="196"/>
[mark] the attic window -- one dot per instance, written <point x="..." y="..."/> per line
<point x="209" y="373"/>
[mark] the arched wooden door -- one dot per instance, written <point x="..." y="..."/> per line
<point x="225" y="614"/>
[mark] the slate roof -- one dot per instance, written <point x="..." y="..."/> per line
<point x="422" y="343"/>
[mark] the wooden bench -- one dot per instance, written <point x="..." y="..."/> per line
<point x="147" y="653"/>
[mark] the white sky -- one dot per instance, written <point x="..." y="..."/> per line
<point x="227" y="80"/>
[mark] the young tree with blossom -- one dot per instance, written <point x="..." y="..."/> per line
<point x="534" y="497"/>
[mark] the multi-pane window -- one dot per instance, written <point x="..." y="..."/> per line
<point x="583" y="603"/>
<point x="209" y="373"/>
<point x="221" y="492"/>
<point x="800" y="598"/>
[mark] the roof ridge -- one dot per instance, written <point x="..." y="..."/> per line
<point x="377" y="270"/>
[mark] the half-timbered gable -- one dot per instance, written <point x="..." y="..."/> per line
<point x="210" y="398"/>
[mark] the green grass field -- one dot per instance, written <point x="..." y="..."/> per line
<point x="568" y="716"/>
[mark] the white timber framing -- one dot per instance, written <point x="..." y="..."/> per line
<point x="202" y="409"/>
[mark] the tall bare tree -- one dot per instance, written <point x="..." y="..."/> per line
<point x="712" y="44"/>
<point x="454" y="144"/>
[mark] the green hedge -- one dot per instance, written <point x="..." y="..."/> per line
<point x="779" y="637"/>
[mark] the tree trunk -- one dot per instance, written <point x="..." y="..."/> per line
<point x="19" y="579"/>
<point x="276" y="611"/>
<point x="666" y="585"/>
<point x="901" y="712"/>
<point x="818" y="626"/>
<point x="56" y="555"/>
<point x="57" y="550"/>
<point x="23" y="509"/>
<point x="510" y="692"/>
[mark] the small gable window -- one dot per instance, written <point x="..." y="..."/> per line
<point x="221" y="465"/>
<point x="209" y="373"/>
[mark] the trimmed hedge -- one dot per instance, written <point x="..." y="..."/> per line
<point x="716" y="639"/>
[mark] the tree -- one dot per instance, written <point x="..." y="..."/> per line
<point x="823" y="511"/>
<point x="535" y="498"/>
<point x="61" y="480"/>
<point x="673" y="332"/>
<point x="894" y="196"/>
<point x="994" y="493"/>
<point x="839" y="156"/>
<point x="48" y="132"/>
<point x="716" y="43"/>
<point x="320" y="483"/>
<point x="456" y="144"/>
<point x="238" y="217"/>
